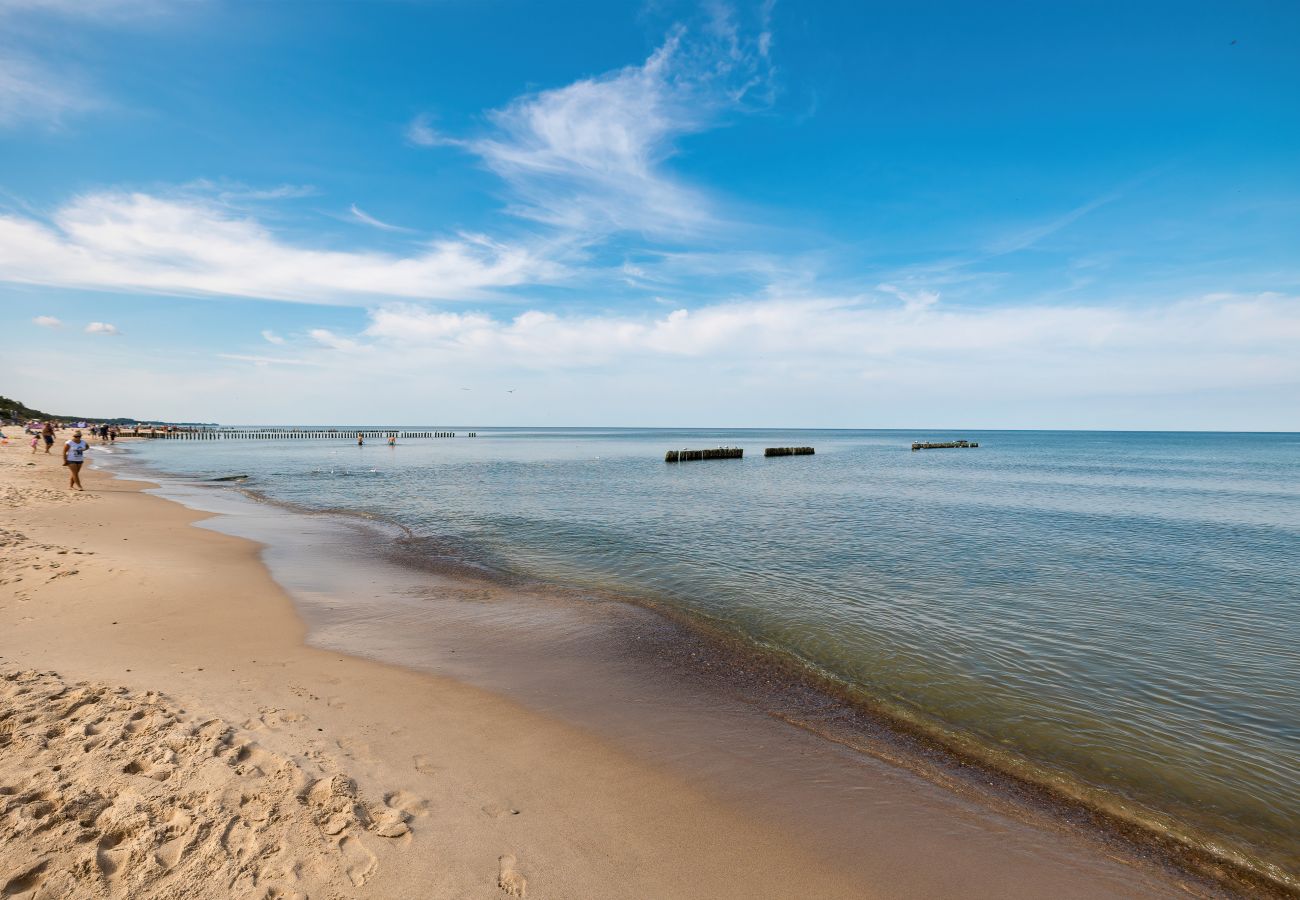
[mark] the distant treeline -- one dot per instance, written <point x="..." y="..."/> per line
<point x="16" y="411"/>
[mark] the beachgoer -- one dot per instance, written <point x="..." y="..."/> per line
<point x="36" y="440"/>
<point x="392" y="440"/>
<point x="74" y="454"/>
<point x="360" y="440"/>
<point x="112" y="435"/>
<point x="47" y="434"/>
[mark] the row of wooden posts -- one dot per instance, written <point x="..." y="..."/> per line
<point x="673" y="456"/>
<point x="944" y="445"/>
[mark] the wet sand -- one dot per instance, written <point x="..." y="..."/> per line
<point x="470" y="744"/>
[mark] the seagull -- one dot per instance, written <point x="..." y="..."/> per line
<point x="465" y="389"/>
<point x="511" y="391"/>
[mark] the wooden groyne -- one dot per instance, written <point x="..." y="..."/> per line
<point x="789" y="451"/>
<point x="673" y="456"/>
<point x="943" y="445"/>
<point x="283" y="434"/>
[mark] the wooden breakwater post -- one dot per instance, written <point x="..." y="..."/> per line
<point x="789" y="451"/>
<point x="673" y="456"/>
<point x="944" y="445"/>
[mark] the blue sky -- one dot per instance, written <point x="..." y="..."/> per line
<point x="849" y="215"/>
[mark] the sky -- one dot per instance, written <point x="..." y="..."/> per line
<point x="777" y="214"/>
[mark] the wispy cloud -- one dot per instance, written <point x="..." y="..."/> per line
<point x="47" y="322"/>
<point x="365" y="218"/>
<point x="327" y="338"/>
<point x="102" y="328"/>
<point x="420" y="132"/>
<point x="591" y="156"/>
<point x="234" y="192"/>
<point x="119" y="241"/>
<point x="39" y="86"/>
<point x="913" y="300"/>
<point x="1027" y="238"/>
<point x="33" y="93"/>
<point x="271" y="337"/>
<point x="91" y="9"/>
<point x="266" y="360"/>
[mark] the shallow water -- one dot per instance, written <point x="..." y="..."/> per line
<point x="1116" y="612"/>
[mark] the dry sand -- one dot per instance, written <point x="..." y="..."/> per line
<point x="165" y="732"/>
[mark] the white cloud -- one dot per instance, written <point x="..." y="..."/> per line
<point x="47" y="322"/>
<point x="1208" y="362"/>
<point x="102" y="328"/>
<point x="1202" y="342"/>
<point x="271" y="337"/>
<point x="141" y="242"/>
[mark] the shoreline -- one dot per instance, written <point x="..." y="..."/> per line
<point x="667" y="837"/>
<point x="713" y="659"/>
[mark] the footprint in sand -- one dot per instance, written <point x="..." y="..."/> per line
<point x="425" y="765"/>
<point x="500" y="810"/>
<point x="358" y="861"/>
<point x="508" y="877"/>
<point x="354" y="748"/>
<point x="176" y="839"/>
<point x="24" y="881"/>
<point x="238" y="839"/>
<point x="407" y="803"/>
<point x="108" y="856"/>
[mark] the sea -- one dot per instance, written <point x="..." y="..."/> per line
<point x="1113" y="614"/>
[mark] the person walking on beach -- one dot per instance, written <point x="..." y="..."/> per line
<point x="74" y="454"/>
<point x="36" y="440"/>
<point x="47" y="434"/>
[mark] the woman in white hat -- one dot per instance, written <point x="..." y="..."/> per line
<point x="74" y="454"/>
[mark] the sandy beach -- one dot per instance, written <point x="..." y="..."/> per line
<point x="166" y="731"/>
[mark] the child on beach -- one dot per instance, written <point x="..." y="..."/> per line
<point x="36" y="440"/>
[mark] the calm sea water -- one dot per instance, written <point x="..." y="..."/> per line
<point x="1119" y="612"/>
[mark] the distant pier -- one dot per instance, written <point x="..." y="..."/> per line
<point x="673" y="456"/>
<point x="789" y="451"/>
<point x="943" y="445"/>
<point x="283" y="434"/>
